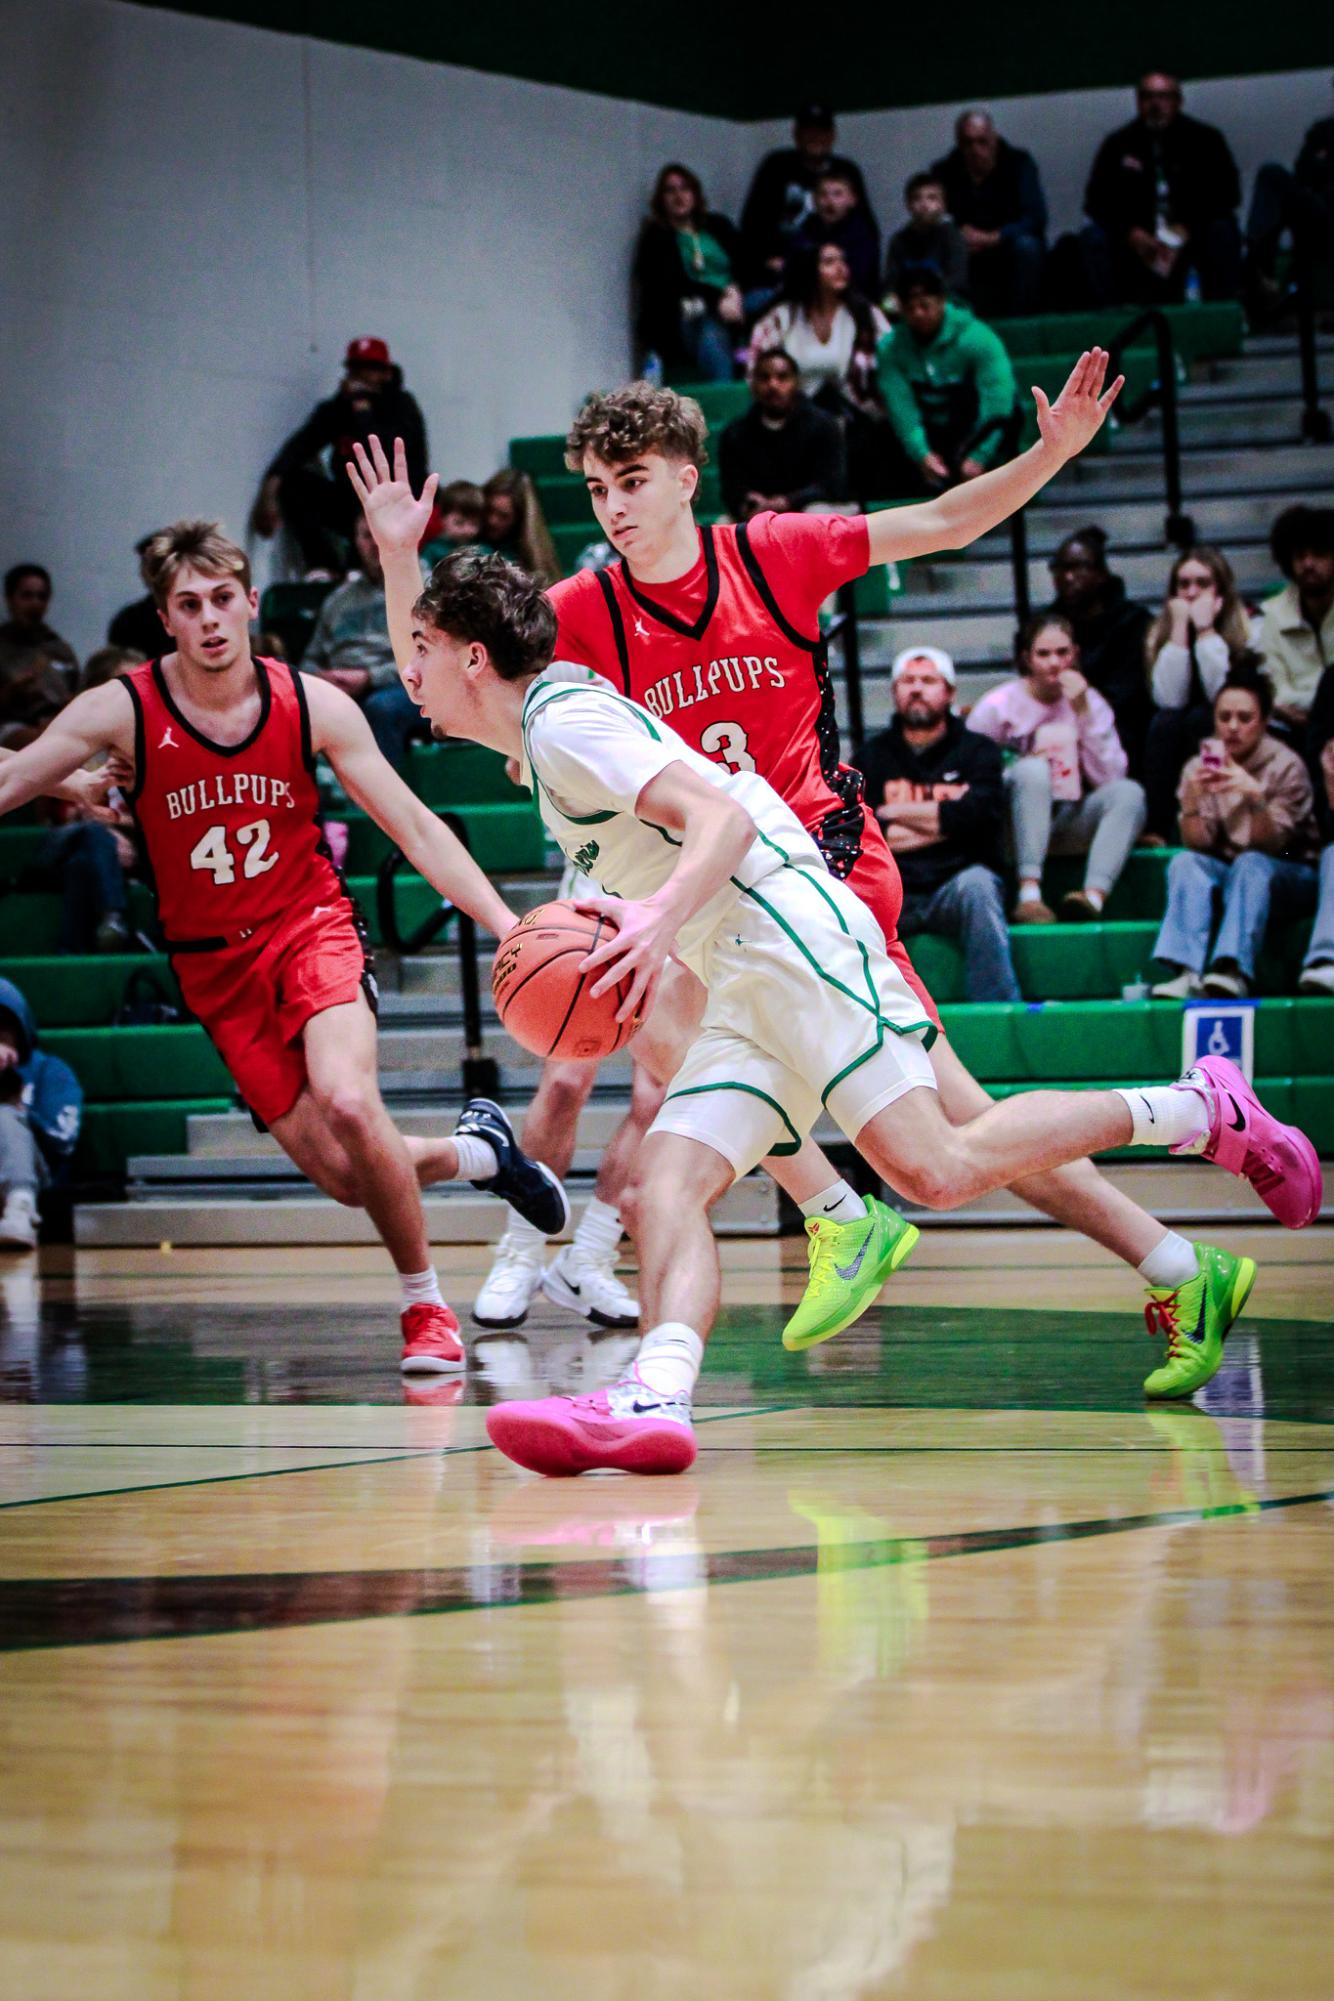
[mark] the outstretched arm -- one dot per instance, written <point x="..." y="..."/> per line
<point x="340" y="730"/>
<point x="958" y="517"/>
<point x="101" y="719"/>
<point x="397" y="521"/>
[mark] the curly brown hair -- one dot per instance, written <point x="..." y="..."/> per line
<point x="474" y="596"/>
<point x="625" y="423"/>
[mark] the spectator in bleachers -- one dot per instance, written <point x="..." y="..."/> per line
<point x="1068" y="789"/>
<point x="783" y="454"/>
<point x="1162" y="201"/>
<point x="840" y="216"/>
<point x="461" y="509"/>
<point x="87" y="859"/>
<point x="688" y="308"/>
<point x="944" y="377"/>
<point x="782" y="196"/>
<point x="1109" y="629"/>
<point x="1250" y="835"/>
<point x="995" y="197"/>
<point x="1300" y="204"/>
<point x="39" y="670"/>
<point x="110" y="662"/>
<point x="41" y="1111"/>
<point x="137" y="625"/>
<point x="1317" y="975"/>
<point x="350" y="646"/>
<point x="1201" y="632"/>
<point x="831" y="333"/>
<point x="514" y="526"/>
<point x="306" y="488"/>
<point x="1295" y="635"/>
<point x="938" y="792"/>
<point x="928" y="237"/>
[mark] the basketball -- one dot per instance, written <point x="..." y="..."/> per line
<point x="541" y="989"/>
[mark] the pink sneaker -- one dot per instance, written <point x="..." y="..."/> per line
<point x="1279" y="1161"/>
<point x="617" y="1429"/>
<point x="431" y="1344"/>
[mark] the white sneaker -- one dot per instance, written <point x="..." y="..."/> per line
<point x="18" y="1222"/>
<point x="1316" y="980"/>
<point x="1228" y="986"/>
<point x="508" y="1288"/>
<point x="574" y="1281"/>
<point x="1185" y="986"/>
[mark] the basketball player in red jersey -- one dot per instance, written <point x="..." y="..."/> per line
<point x="716" y="630"/>
<point x="264" y="940"/>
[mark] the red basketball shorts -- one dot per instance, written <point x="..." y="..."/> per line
<point x="255" y="998"/>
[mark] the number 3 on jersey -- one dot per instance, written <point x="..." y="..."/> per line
<point x="211" y="852"/>
<point x="727" y="742"/>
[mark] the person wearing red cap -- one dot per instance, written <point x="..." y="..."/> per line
<point x="304" y="489"/>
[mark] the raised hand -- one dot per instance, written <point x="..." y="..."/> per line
<point x="396" y="519"/>
<point x="1076" y="416"/>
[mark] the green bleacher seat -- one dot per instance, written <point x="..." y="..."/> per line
<point x="500" y="836"/>
<point x="112" y="1133"/>
<point x="461" y="774"/>
<point x="32" y="918"/>
<point x="1199" y="332"/>
<point x="290" y="611"/>
<point x="66" y="990"/>
<point x="721" y="401"/>
<point x="128" y="1063"/>
<point x="540" y="457"/>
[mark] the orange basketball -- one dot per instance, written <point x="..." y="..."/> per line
<point x="541" y="989"/>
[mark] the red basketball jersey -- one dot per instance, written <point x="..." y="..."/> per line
<point x="731" y="656"/>
<point x="231" y="830"/>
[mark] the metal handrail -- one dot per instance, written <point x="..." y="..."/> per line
<point x="1178" y="527"/>
<point x="1316" y="427"/>
<point x="1010" y="428"/>
<point x="480" y="1074"/>
<point x="844" y="626"/>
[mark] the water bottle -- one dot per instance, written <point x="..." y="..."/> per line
<point x="652" y="370"/>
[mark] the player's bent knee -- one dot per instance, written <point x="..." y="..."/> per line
<point x="565" y="1087"/>
<point x="351" y="1111"/>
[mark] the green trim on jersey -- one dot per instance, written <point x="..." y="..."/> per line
<point x="794" y="1145"/>
<point x="553" y="691"/>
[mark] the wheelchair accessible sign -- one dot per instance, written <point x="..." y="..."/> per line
<point x="1219" y="1028"/>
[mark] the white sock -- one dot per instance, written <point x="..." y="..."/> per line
<point x="1171" y="1263"/>
<point x="477" y="1158"/>
<point x="1030" y="892"/>
<point x="1168" y="1114"/>
<point x="840" y="1202"/>
<point x="420" y="1288"/>
<point x="669" y="1359"/>
<point x="599" y="1232"/>
<point x="522" y="1235"/>
<point x="1097" y="897"/>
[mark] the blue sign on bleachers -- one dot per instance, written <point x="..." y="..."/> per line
<point x="1219" y="1028"/>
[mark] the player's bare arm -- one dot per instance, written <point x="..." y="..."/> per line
<point x="340" y="730"/>
<point x="955" y="518"/>
<point x="398" y="521"/>
<point x="715" y="833"/>
<point x="100" y="720"/>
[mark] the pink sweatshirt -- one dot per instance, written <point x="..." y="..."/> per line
<point x="1084" y="751"/>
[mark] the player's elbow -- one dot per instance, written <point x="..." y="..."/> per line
<point x="736" y="825"/>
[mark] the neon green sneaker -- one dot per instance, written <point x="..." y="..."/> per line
<point x="849" y="1264"/>
<point x="1195" y="1318"/>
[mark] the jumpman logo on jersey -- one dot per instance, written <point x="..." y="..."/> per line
<point x="168" y="740"/>
<point x="641" y="630"/>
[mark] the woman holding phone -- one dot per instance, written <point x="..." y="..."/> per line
<point x="1249" y="827"/>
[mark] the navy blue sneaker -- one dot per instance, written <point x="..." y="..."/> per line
<point x="531" y="1189"/>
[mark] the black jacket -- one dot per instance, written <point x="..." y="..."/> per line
<point x="776" y="206"/>
<point x="803" y="460"/>
<point x="1111" y="658"/>
<point x="1196" y="162"/>
<point x="1319" y="730"/>
<point x="1010" y="199"/>
<point x="337" y="424"/>
<point x="661" y="282"/>
<point x="1315" y="162"/>
<point x="971" y="828"/>
<point x="939" y="244"/>
<point x="138" y="627"/>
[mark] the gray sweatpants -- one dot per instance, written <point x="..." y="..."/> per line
<point x="20" y="1162"/>
<point x="1104" y="824"/>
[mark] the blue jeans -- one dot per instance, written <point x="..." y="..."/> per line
<point x="709" y="345"/>
<point x="1321" y="949"/>
<point x="395" y="720"/>
<point x="92" y="880"/>
<point x="971" y="908"/>
<point x="1251" y="886"/>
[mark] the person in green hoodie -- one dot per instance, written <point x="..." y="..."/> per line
<point x="943" y="375"/>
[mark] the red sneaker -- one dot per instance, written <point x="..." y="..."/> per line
<point x="431" y="1343"/>
<point x="615" y="1430"/>
<point x="1279" y="1161"/>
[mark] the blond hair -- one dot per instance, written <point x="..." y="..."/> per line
<point x="640" y="418"/>
<point x="195" y="545"/>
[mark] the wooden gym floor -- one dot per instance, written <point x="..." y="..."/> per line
<point x="951" y="1670"/>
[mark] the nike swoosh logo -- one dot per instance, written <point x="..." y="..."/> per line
<point x="570" y="1286"/>
<point x="1237" y="1123"/>
<point x="645" y="1409"/>
<point x="849" y="1272"/>
<point x="1196" y="1333"/>
<point x="830" y="1207"/>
